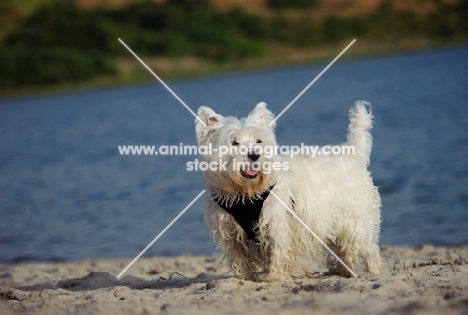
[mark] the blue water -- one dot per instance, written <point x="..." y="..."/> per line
<point x="66" y="193"/>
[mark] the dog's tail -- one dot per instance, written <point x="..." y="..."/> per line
<point x="359" y="136"/>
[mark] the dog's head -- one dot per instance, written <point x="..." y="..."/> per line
<point x="242" y="158"/>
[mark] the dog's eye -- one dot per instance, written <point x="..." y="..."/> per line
<point x="259" y="141"/>
<point x="234" y="142"/>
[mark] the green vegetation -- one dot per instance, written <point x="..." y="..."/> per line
<point x="59" y="43"/>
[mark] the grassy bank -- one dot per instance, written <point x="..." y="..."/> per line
<point x="60" y="45"/>
<point x="132" y="72"/>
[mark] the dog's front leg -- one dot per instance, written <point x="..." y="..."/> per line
<point x="275" y="238"/>
<point x="231" y="238"/>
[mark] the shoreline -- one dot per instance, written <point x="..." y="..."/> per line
<point x="131" y="72"/>
<point x="423" y="279"/>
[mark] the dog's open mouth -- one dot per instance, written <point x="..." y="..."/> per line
<point x="249" y="172"/>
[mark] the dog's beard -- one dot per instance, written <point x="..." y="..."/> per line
<point x="245" y="178"/>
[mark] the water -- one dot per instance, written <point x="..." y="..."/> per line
<point x="66" y="193"/>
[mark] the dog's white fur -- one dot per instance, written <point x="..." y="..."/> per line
<point x="333" y="194"/>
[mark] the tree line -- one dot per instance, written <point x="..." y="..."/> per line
<point x="60" y="43"/>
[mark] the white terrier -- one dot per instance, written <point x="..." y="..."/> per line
<point x="334" y="196"/>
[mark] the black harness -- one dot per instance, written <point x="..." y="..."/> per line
<point x="246" y="212"/>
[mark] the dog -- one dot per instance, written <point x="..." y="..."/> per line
<point x="247" y="208"/>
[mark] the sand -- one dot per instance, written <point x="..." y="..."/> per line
<point x="422" y="280"/>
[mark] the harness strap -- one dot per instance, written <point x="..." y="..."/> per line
<point x="246" y="212"/>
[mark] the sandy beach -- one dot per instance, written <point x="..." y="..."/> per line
<point x="421" y="280"/>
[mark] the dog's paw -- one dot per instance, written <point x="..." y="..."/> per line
<point x="379" y="271"/>
<point x="276" y="277"/>
<point x="248" y="277"/>
<point x="341" y="271"/>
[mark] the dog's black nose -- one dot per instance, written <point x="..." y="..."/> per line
<point x="253" y="156"/>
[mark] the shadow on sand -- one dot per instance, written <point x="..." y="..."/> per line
<point x="98" y="280"/>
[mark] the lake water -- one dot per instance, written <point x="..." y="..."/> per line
<point x="66" y="193"/>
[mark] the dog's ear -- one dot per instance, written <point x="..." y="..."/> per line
<point x="261" y="116"/>
<point x="211" y="120"/>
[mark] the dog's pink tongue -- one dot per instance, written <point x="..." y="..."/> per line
<point x="250" y="172"/>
